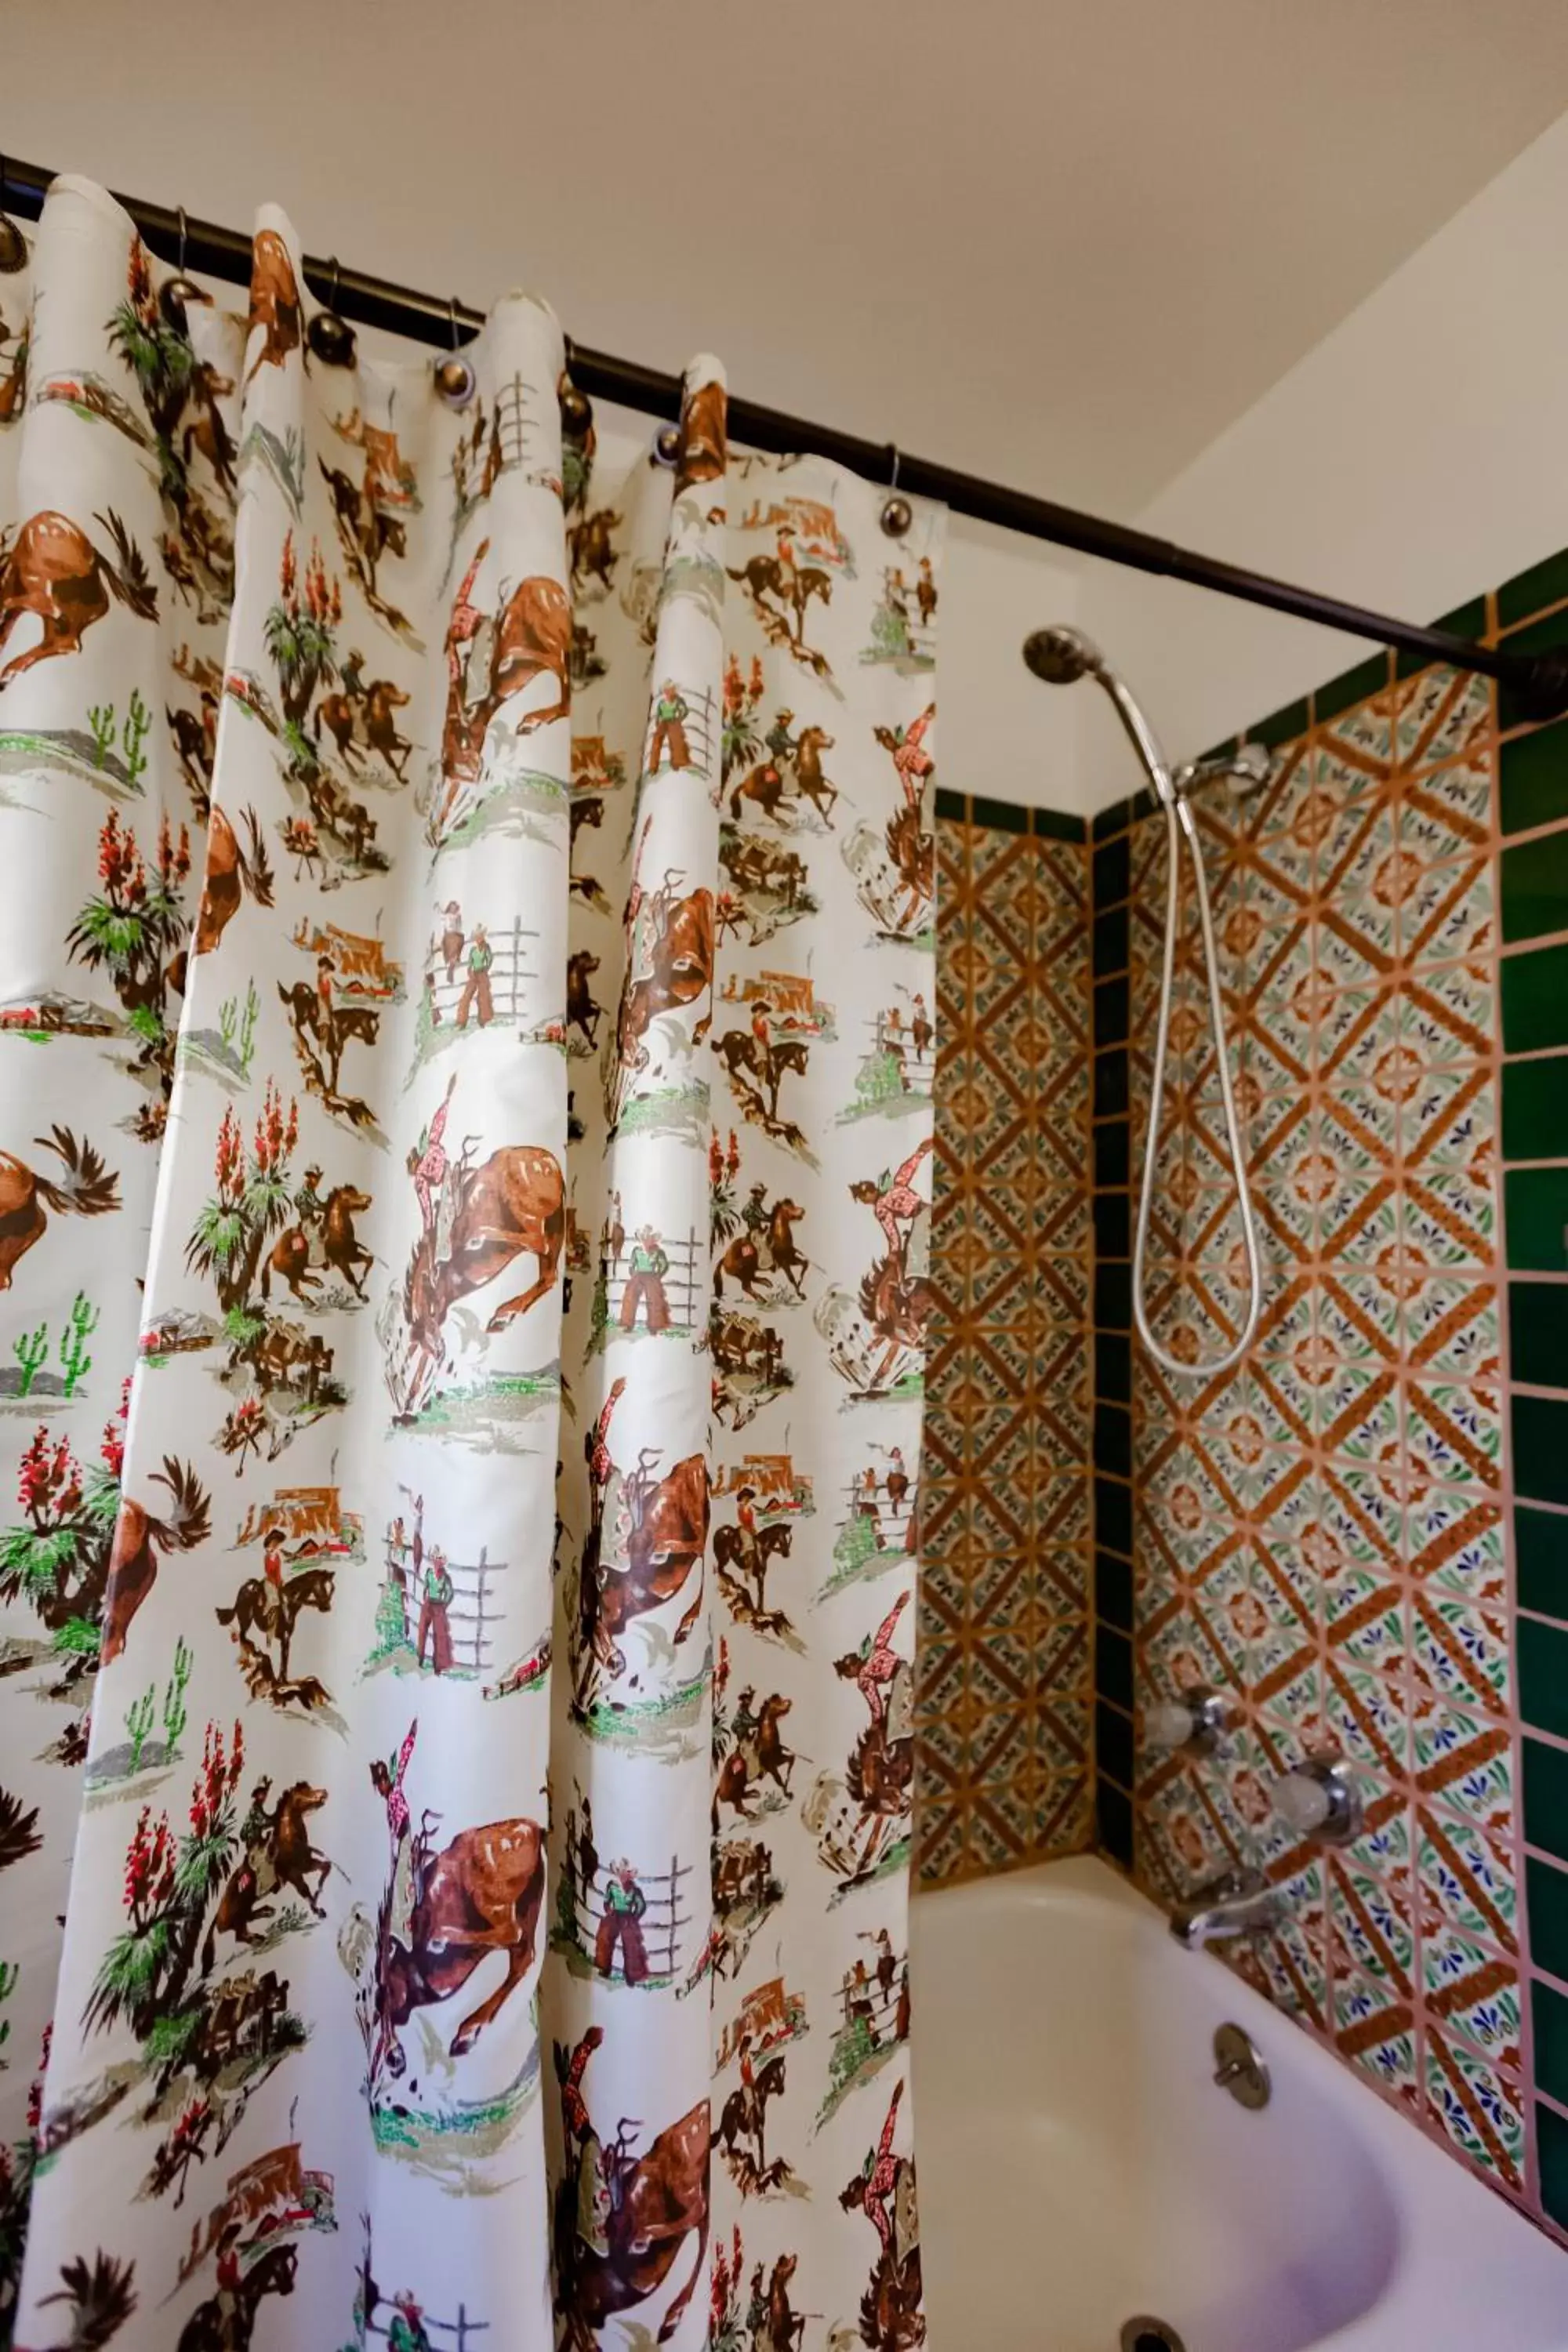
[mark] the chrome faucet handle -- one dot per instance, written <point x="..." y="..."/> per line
<point x="1194" y="1722"/>
<point x="1321" y="1798"/>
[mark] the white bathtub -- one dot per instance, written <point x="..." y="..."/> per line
<point x="1078" y="2165"/>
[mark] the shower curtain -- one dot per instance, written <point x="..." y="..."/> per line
<point x="466" y="1057"/>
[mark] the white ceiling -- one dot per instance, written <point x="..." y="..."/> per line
<point x="1061" y="243"/>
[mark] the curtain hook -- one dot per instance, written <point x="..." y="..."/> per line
<point x="13" y="244"/>
<point x="176" y="291"/>
<point x="331" y="337"/>
<point x="896" y="512"/>
<point x="455" y="378"/>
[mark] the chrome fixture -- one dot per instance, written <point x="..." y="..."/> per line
<point x="1060" y="655"/>
<point x="1236" y="1902"/>
<point x="1321" y="1798"/>
<point x="1194" y="1722"/>
<point x="1238" y="2069"/>
<point x="1247" y="768"/>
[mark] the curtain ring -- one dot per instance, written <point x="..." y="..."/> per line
<point x="455" y="379"/>
<point x="576" y="408"/>
<point x="13" y="244"/>
<point x="331" y="337"/>
<point x="896" y="512"/>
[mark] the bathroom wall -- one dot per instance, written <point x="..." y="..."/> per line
<point x="1361" y="1535"/>
<point x="1004" y="1684"/>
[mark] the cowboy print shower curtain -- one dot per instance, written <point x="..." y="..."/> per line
<point x="465" y="1058"/>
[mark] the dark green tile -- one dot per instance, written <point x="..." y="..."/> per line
<point x="1059" y="824"/>
<point x="1535" y="1108"/>
<point x="1535" y="1210"/>
<point x="1549" y="2014"/>
<point x="1351" y="687"/>
<point x="1533" y="784"/>
<point x="1538" y="1334"/>
<point x="1116" y="818"/>
<point x="1111" y="1077"/>
<point x="1113" y="1516"/>
<point x="1540" y="1560"/>
<point x="1114" y="1296"/>
<point x="1220" y="750"/>
<point x="1552" y="2148"/>
<point x="1535" y="997"/>
<point x="1111" y="932"/>
<point x="1545" y="583"/>
<point x="1113" y="1438"/>
<point x="1540" y="637"/>
<point x="1545" y="1797"/>
<point x="1113" y="1224"/>
<point x="1111" y="1152"/>
<point x="1113" y="1666"/>
<point x="1539" y="1427"/>
<point x="1112" y="868"/>
<point x="1546" y="1894"/>
<point x="1113" y="1744"/>
<point x="1113" y="1366"/>
<point x="1113" y="1591"/>
<point x="1535" y="886"/>
<point x="1281" y="726"/>
<point x="1113" y="1820"/>
<point x="1465" y="621"/>
<point x="1111" y="1010"/>
<point x="955" y="806"/>
<point x="1543" y="1677"/>
<point x="998" y="816"/>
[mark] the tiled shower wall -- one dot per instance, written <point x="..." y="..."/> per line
<point x="1361" y="1535"/>
<point x="1004" y="1686"/>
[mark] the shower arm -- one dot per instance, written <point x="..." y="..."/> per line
<point x="1060" y="655"/>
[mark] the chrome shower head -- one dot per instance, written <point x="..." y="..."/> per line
<point x="1060" y="655"/>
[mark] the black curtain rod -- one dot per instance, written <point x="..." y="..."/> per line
<point x="1538" y="682"/>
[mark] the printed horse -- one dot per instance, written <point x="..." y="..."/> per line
<point x="51" y="570"/>
<point x="358" y="723"/>
<point x="666" y="1544"/>
<point x="482" y="1892"/>
<point x="681" y="956"/>
<point x="742" y="1261"/>
<point x="339" y="1247"/>
<point x="513" y="1203"/>
<point x="532" y="638"/>
<point x="87" y="1189"/>
<point x="656" y="2201"/>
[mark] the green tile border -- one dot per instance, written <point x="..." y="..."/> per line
<point x="1539" y="1428"/>
<point x="1532" y="777"/>
<point x="1530" y="591"/>
<point x="1281" y="726"/>
<point x="1351" y="686"/>
<point x="1543" y="1681"/>
<point x="1532" y="886"/>
<point x="1009" y="816"/>
<point x="1535" y="1108"/>
<point x="1535" y="998"/>
<point x="1541" y="1562"/>
<point x="1551" y="2154"/>
<point x="1545" y="1796"/>
<point x="1535" y="1218"/>
<point x="1549" y="2016"/>
<point x="1538" y="1334"/>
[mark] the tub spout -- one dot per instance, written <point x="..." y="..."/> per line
<point x="1236" y="1902"/>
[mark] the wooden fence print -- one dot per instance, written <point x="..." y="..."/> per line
<point x="678" y="1287"/>
<point x="511" y="975"/>
<point x="461" y="2333"/>
<point x="469" y="1616"/>
<point x="662" y="1922"/>
<point x="698" y="727"/>
<point x="886" y="1524"/>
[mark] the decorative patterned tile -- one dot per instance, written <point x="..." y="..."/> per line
<point x="1474" y="1991"/>
<point x="1475" y="2106"/>
<point x="1466" y="1879"/>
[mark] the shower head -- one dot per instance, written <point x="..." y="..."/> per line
<point x="1060" y="655"/>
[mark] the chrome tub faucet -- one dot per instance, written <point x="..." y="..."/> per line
<point x="1236" y="1902"/>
